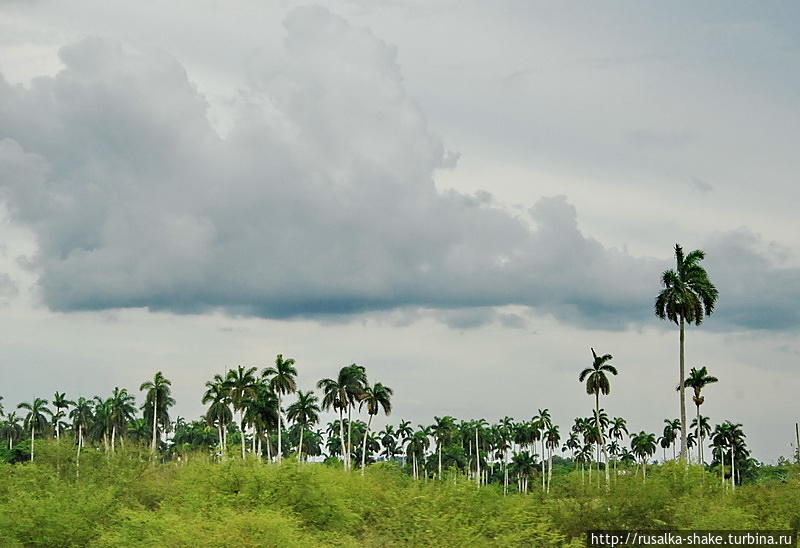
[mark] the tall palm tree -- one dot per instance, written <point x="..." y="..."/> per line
<point x="304" y="412"/>
<point x="81" y="415"/>
<point x="35" y="419"/>
<point x="671" y="429"/>
<point x="60" y="404"/>
<point x="338" y="394"/>
<point x="11" y="428"/>
<point x="261" y="413"/>
<point x="553" y="438"/>
<point x="375" y="397"/>
<point x="597" y="383"/>
<point x="702" y="427"/>
<point x="542" y="422"/>
<point x="688" y="296"/>
<point x="282" y="381"/>
<point x="219" y="412"/>
<point x="156" y="405"/>
<point x="643" y="446"/>
<point x="122" y="411"/>
<point x="241" y="385"/>
<point x="697" y="380"/>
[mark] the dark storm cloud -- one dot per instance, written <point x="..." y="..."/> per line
<point x="320" y="200"/>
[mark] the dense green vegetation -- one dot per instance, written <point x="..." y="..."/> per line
<point x="126" y="500"/>
<point x="258" y="470"/>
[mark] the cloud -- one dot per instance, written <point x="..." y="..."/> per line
<point x="319" y="202"/>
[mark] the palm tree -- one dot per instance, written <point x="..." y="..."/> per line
<point x="643" y="446"/>
<point x="416" y="446"/>
<point x="156" y="405"/>
<point x="11" y="428"/>
<point x="60" y="404"/>
<point x="375" y="397"/>
<point x="81" y="416"/>
<point x="542" y="422"/>
<point x="597" y="383"/>
<point x="338" y="394"/>
<point x="671" y="429"/>
<point x="304" y="412"/>
<point x="241" y="385"/>
<point x="261" y="412"/>
<point x="282" y="381"/>
<point x="523" y="465"/>
<point x="219" y="411"/>
<point x="688" y="296"/>
<point x="122" y="411"/>
<point x="35" y="417"/>
<point x="552" y="440"/>
<point x="702" y="427"/>
<point x="697" y="380"/>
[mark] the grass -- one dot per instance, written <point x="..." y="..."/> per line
<point x="126" y="501"/>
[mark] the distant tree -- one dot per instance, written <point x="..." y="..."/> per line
<point x="156" y="406"/>
<point x="35" y="419"/>
<point x="597" y="383"/>
<point x="281" y="379"/>
<point x="375" y="397"/>
<point x="697" y="380"/>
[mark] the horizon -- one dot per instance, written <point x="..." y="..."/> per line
<point x="463" y="198"/>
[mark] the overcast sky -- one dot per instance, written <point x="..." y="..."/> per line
<point x="461" y="196"/>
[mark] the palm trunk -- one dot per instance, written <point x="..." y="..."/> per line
<point x="341" y="437"/>
<point x="699" y="435"/>
<point x="684" y="450"/>
<point x="364" y="446"/>
<point x="155" y="417"/>
<point x="300" y="447"/>
<point x="349" y="435"/>
<point x="477" y="459"/>
<point x="78" y="457"/>
<point x="113" y="437"/>
<point x="33" y="440"/>
<point x="280" y="421"/>
<point x="241" y="429"/>
<point x="440" y="458"/>
<point x="733" y="470"/>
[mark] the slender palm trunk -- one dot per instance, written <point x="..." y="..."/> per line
<point x="113" y="437"/>
<point x="300" y="447"/>
<point x="341" y="437"/>
<point x="33" y="440"/>
<point x="242" y="429"/>
<point x="440" y="457"/>
<point x="349" y="435"/>
<point x="733" y="470"/>
<point x="78" y="457"/>
<point x="477" y="459"/>
<point x="364" y="447"/>
<point x="155" y="417"/>
<point x="280" y="427"/>
<point x="684" y="447"/>
<point x="699" y="436"/>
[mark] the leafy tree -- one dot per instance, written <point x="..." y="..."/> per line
<point x="687" y="297"/>
<point x="241" y="386"/>
<point x="156" y="406"/>
<point x="60" y="404"/>
<point x="339" y="394"/>
<point x="643" y="446"/>
<point x="81" y="415"/>
<point x="375" y="397"/>
<point x="10" y="428"/>
<point x="304" y="413"/>
<point x="35" y="419"/>
<point x="219" y="412"/>
<point x="281" y="380"/>
<point x="597" y="383"/>
<point x="697" y="380"/>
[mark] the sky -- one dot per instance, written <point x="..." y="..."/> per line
<point x="464" y="197"/>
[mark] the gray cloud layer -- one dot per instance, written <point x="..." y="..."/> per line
<point x="320" y="200"/>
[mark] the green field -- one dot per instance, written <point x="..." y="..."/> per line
<point x="126" y="500"/>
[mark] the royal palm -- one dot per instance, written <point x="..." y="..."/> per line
<point x="281" y="379"/>
<point x="687" y="297"/>
<point x="597" y="383"/>
<point x="697" y="380"/>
